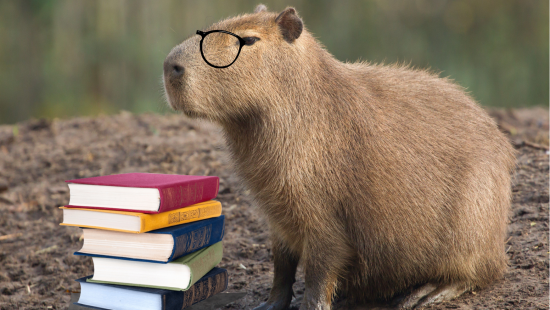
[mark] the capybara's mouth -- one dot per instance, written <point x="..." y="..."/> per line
<point x="180" y="106"/>
<point x="169" y="99"/>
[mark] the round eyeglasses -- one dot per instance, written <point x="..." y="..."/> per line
<point x="220" y="48"/>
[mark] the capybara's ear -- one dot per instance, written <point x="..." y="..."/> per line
<point x="260" y="8"/>
<point x="290" y="24"/>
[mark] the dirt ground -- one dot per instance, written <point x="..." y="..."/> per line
<point x="37" y="265"/>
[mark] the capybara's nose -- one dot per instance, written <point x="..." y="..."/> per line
<point x="173" y="69"/>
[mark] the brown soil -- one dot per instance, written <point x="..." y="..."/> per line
<point x="37" y="268"/>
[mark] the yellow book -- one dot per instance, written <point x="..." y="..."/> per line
<point x="134" y="222"/>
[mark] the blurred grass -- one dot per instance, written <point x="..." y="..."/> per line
<point x="61" y="58"/>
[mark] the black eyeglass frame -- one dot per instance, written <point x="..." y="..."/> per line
<point x="203" y="34"/>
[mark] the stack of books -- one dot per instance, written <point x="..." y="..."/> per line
<point x="154" y="239"/>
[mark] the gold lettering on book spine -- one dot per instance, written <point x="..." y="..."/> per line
<point x="173" y="217"/>
<point x="193" y="192"/>
<point x="207" y="211"/>
<point x="181" y="245"/>
<point x="200" y="237"/>
<point x="176" y="217"/>
<point x="189" y="215"/>
<point x="204" y="289"/>
<point x="200" y="190"/>
<point x="188" y="297"/>
<point x="184" y="194"/>
<point x="190" y="193"/>
<point x="202" y="264"/>
<point x="205" y="285"/>
<point x="221" y="283"/>
<point x="169" y="194"/>
<point x="198" y="292"/>
<point x="193" y="240"/>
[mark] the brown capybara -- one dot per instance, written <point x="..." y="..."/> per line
<point x="382" y="181"/>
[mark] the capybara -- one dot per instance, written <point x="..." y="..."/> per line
<point x="383" y="182"/>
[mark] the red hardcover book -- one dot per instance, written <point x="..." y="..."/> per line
<point x="141" y="192"/>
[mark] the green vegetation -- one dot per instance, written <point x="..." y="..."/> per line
<point x="85" y="57"/>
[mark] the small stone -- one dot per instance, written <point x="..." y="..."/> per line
<point x="3" y="186"/>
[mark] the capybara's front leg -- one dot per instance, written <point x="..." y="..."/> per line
<point x="323" y="262"/>
<point x="285" y="263"/>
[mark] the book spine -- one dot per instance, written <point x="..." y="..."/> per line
<point x="205" y="288"/>
<point x="188" y="193"/>
<point x="202" y="263"/>
<point x="199" y="238"/>
<point x="176" y="217"/>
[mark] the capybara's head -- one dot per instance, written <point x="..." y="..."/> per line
<point x="272" y="48"/>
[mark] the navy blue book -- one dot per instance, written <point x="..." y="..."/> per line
<point x="158" y="246"/>
<point x="120" y="297"/>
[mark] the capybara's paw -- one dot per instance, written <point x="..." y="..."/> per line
<point x="276" y="305"/>
<point x="314" y="302"/>
<point x="429" y="294"/>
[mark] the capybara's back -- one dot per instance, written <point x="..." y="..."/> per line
<point x="380" y="180"/>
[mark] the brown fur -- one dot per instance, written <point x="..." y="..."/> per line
<point x="377" y="178"/>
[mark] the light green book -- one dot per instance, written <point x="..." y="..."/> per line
<point x="179" y="275"/>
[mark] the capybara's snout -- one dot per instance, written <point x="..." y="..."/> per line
<point x="173" y="67"/>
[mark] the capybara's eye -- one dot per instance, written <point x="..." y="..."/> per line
<point x="250" y="40"/>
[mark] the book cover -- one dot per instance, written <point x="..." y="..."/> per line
<point x="188" y="238"/>
<point x="112" y="296"/>
<point x="198" y="264"/>
<point x="199" y="211"/>
<point x="176" y="191"/>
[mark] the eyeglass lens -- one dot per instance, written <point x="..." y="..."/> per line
<point x="220" y="49"/>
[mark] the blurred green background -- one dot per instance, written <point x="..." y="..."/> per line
<point x="62" y="58"/>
